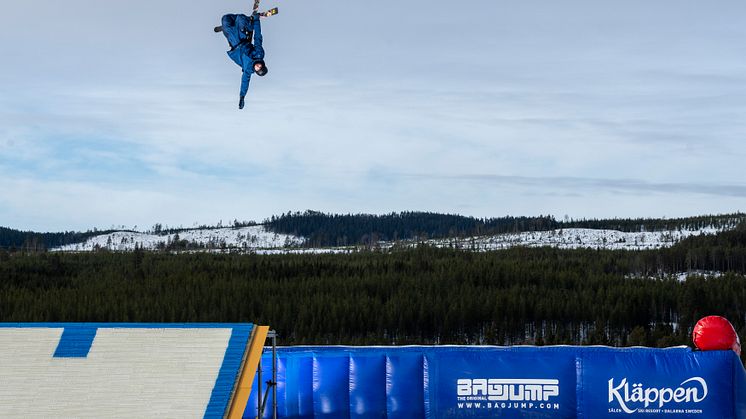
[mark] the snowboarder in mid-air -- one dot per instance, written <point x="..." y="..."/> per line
<point x="238" y="30"/>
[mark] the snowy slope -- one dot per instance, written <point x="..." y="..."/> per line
<point x="258" y="239"/>
<point x="254" y="237"/>
<point x="573" y="238"/>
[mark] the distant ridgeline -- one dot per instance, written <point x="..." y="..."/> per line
<point x="341" y="230"/>
<point x="323" y="230"/>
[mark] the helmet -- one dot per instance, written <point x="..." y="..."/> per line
<point x="262" y="71"/>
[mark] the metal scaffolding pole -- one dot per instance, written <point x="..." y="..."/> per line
<point x="274" y="375"/>
<point x="272" y="383"/>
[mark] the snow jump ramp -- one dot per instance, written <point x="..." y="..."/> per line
<point x="110" y="370"/>
<point x="506" y="382"/>
<point x="103" y="370"/>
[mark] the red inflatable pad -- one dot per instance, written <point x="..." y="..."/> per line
<point x="713" y="333"/>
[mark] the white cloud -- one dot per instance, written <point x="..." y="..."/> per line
<point x="138" y="99"/>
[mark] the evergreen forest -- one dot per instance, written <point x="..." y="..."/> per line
<point x="422" y="295"/>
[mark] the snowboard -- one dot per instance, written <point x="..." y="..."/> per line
<point x="271" y="12"/>
<point x="268" y="13"/>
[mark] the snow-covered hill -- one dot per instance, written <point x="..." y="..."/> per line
<point x="248" y="238"/>
<point x="573" y="238"/>
<point x="257" y="239"/>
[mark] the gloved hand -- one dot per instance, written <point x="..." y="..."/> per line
<point x="241" y="103"/>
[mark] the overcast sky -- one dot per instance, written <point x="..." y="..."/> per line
<point x="125" y="112"/>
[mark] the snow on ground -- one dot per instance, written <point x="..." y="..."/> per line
<point x="573" y="238"/>
<point x="679" y="276"/>
<point x="683" y="276"/>
<point x="257" y="239"/>
<point x="254" y="237"/>
<point x="306" y="251"/>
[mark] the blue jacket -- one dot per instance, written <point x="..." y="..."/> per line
<point x="245" y="55"/>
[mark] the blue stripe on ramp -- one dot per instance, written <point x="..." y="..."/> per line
<point x="229" y="371"/>
<point x="75" y="342"/>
